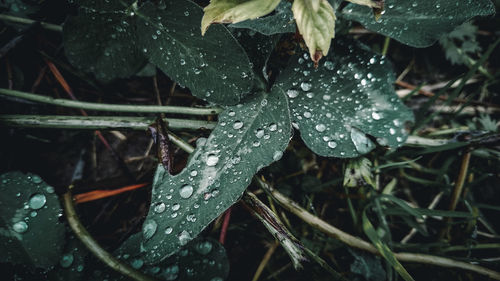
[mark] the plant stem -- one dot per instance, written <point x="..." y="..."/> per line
<point x="48" y="26"/>
<point x="98" y="122"/>
<point x="386" y="45"/>
<point x="359" y="243"/>
<point x="111" y="107"/>
<point x="94" y="247"/>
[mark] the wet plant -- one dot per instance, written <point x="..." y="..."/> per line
<point x="265" y="69"/>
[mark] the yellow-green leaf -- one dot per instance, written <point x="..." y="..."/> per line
<point x="233" y="11"/>
<point x="369" y="3"/>
<point x="316" y="22"/>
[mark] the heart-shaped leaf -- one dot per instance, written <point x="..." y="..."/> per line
<point x="419" y="23"/>
<point x="247" y="138"/>
<point x="279" y="22"/>
<point x="114" y="40"/>
<point x="102" y="39"/>
<point x="30" y="232"/>
<point x="233" y="11"/>
<point x="214" y="67"/>
<point x="346" y="102"/>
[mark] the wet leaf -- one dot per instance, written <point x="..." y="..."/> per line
<point x="30" y="232"/>
<point x="214" y="67"/>
<point x="102" y="39"/>
<point x="316" y="23"/>
<point x="419" y="23"/>
<point x="71" y="265"/>
<point x="233" y="11"/>
<point x="247" y="138"/>
<point x="119" y="39"/>
<point x="367" y="265"/>
<point x="202" y="259"/>
<point x="346" y="102"/>
<point x="279" y="22"/>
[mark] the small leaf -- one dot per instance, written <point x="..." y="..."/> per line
<point x="384" y="250"/>
<point x="358" y="172"/>
<point x="419" y="23"/>
<point x="233" y="11"/>
<point x="30" y="232"/>
<point x="345" y="103"/>
<point x="369" y="3"/>
<point x="247" y="138"/>
<point x="214" y="67"/>
<point x="316" y="22"/>
<point x="279" y="22"/>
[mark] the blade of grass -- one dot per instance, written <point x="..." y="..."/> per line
<point x="384" y="250"/>
<point x="103" y="193"/>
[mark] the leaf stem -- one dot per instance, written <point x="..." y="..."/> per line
<point x="94" y="247"/>
<point x="359" y="243"/>
<point x="110" y="107"/>
<point x="98" y="122"/>
<point x="48" y="26"/>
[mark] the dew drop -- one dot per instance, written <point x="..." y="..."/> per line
<point x="305" y="86"/>
<point x="204" y="247"/>
<point x="37" y="201"/>
<point x="149" y="229"/>
<point x="273" y="127"/>
<point x="259" y="133"/>
<point x="376" y="115"/>
<point x="159" y="207"/>
<point x="320" y="127"/>
<point x="332" y="144"/>
<point x="36" y="179"/>
<point x="137" y="263"/>
<point x="186" y="191"/>
<point x="292" y="93"/>
<point x="176" y="207"/>
<point x="66" y="260"/>
<point x="237" y="125"/>
<point x="168" y="230"/>
<point x="20" y="227"/>
<point x="184" y="237"/>
<point x="212" y="160"/>
<point x="277" y="155"/>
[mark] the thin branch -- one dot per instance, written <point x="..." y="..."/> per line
<point x="98" y="122"/>
<point x="359" y="243"/>
<point x="48" y="26"/>
<point x="94" y="247"/>
<point x="111" y="107"/>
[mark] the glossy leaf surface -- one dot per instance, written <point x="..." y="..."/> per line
<point x="419" y="23"/>
<point x="346" y="102"/>
<point x="30" y="232"/>
<point x="247" y="138"/>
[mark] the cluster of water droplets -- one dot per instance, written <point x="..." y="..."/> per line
<point x="341" y="99"/>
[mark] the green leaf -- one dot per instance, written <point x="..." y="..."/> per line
<point x="247" y="138"/>
<point x="316" y="23"/>
<point x="419" y="23"/>
<point x="346" y="102"/>
<point x="367" y="265"/>
<point x="279" y="22"/>
<point x="203" y="259"/>
<point x="233" y="11"/>
<point x="20" y="8"/>
<point x="384" y="249"/>
<point x="102" y="39"/>
<point x="214" y="67"/>
<point x="71" y="262"/>
<point x="30" y="232"/>
<point x="118" y="39"/>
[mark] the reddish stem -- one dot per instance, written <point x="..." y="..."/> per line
<point x="225" y="224"/>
